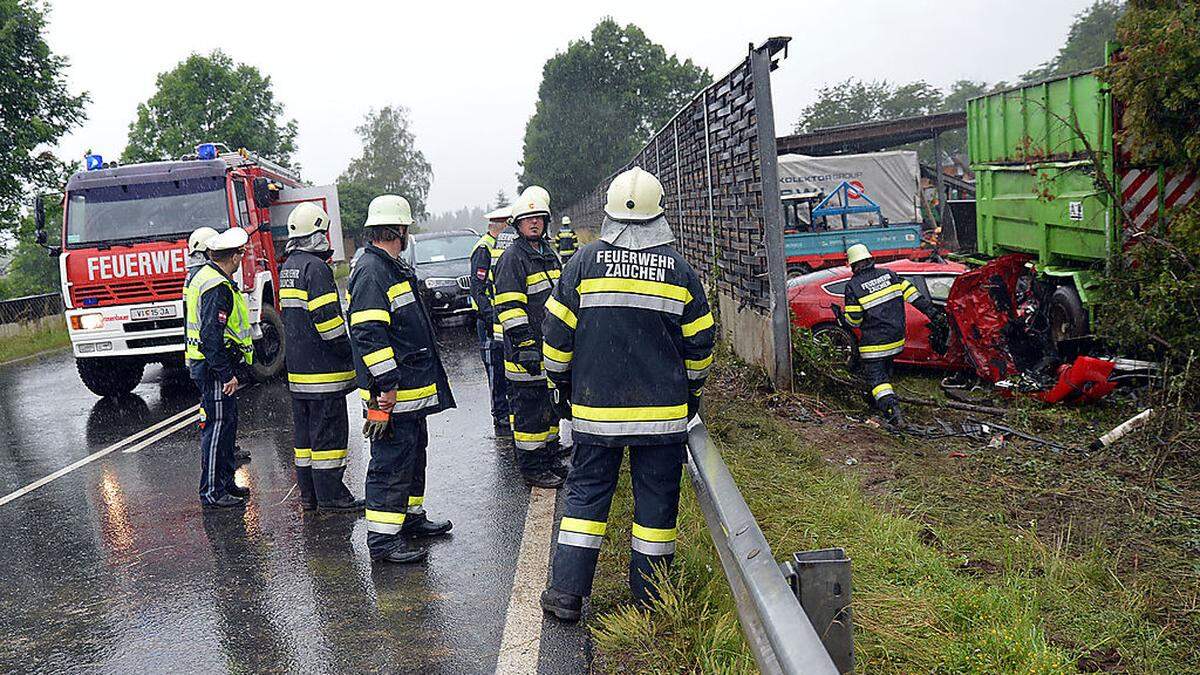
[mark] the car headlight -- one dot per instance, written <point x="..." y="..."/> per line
<point x="89" y="321"/>
<point x="439" y="282"/>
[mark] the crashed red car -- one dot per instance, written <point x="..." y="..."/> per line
<point x="811" y="298"/>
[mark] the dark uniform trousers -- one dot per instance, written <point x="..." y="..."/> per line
<point x="534" y="425"/>
<point x="218" y="429"/>
<point x="656" y="471"/>
<point x="492" y="352"/>
<point x="877" y="373"/>
<point x="395" y="481"/>
<point x="320" y="435"/>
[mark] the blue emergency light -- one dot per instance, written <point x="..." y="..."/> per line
<point x="93" y="162"/>
<point x="206" y="151"/>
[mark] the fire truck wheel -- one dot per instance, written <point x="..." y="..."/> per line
<point x="268" y="350"/>
<point x="110" y="376"/>
<point x="1068" y="319"/>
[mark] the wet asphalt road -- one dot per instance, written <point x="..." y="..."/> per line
<point x="114" y="567"/>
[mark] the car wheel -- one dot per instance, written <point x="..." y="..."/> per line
<point x="797" y="270"/>
<point x="1067" y="318"/>
<point x="840" y="339"/>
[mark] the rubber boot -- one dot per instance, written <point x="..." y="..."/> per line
<point x="562" y="606"/>
<point x="402" y="553"/>
<point x="418" y="525"/>
<point x="345" y="505"/>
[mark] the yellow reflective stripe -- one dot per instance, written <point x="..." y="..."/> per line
<point x="867" y="349"/>
<point x="416" y="501"/>
<point x="321" y="378"/>
<point x="511" y="314"/>
<point x="542" y="276"/>
<point x="879" y="293"/>
<point x="302" y="453"/>
<point x="322" y="300"/>
<point x="512" y="367"/>
<point x="399" y="289"/>
<point x="556" y="354"/>
<point x="561" y="311"/>
<point x="910" y="291"/>
<point x="415" y="394"/>
<point x="582" y="526"/>
<point x="854" y="308"/>
<point x="654" y="533"/>
<point x="319" y="455"/>
<point x="530" y="437"/>
<point x="330" y="324"/>
<point x="885" y="387"/>
<point x="511" y="296"/>
<point x="690" y="329"/>
<point x="379" y="355"/>
<point x="698" y="365"/>
<point x="366" y="315"/>
<point x="642" y="414"/>
<point x="293" y="294"/>
<point x="655" y="288"/>
<point x="385" y="517"/>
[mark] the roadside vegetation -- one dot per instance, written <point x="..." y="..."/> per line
<point x="33" y="342"/>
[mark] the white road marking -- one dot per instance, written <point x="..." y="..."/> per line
<point x="522" y="641"/>
<point x="142" y="445"/>
<point x="188" y="416"/>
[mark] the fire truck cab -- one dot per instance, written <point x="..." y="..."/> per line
<point x="124" y="259"/>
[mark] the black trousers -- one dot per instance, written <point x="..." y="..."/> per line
<point x="535" y="426"/>
<point x="395" y="482"/>
<point x="877" y="373"/>
<point x="218" y="431"/>
<point x="492" y="352"/>
<point x="320" y="431"/>
<point x="656" y="471"/>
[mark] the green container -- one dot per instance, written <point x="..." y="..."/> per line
<point x="1037" y="187"/>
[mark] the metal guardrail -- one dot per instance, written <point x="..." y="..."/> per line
<point x="30" y="308"/>
<point x="777" y="629"/>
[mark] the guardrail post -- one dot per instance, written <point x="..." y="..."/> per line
<point x="821" y="581"/>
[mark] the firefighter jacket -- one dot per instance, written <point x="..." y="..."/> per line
<point x="630" y="336"/>
<point x="391" y="333"/>
<point x="875" y="300"/>
<point x="567" y="243"/>
<point x="483" y="261"/>
<point x="319" y="362"/>
<point x="217" y="324"/>
<point x="524" y="278"/>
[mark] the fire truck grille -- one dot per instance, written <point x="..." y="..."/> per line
<point x="464" y="282"/>
<point x="121" y="292"/>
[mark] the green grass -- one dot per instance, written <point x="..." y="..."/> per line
<point x="1006" y="561"/>
<point x="33" y="342"/>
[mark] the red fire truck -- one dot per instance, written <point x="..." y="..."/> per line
<point x="123" y="255"/>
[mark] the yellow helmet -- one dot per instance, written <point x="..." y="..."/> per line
<point x="306" y="219"/>
<point x="538" y="191"/>
<point x="857" y="253"/>
<point x="198" y="241"/>
<point x="529" y="204"/>
<point x="389" y="210"/>
<point x="635" y="195"/>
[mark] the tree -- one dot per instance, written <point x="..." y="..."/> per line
<point x="1084" y="49"/>
<point x="598" y="103"/>
<point x="390" y="163"/>
<point x="210" y="98"/>
<point x="501" y="199"/>
<point x="31" y="270"/>
<point x="36" y="108"/>
<point x="852" y="101"/>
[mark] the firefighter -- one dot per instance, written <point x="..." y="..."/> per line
<point x="219" y="349"/>
<point x="567" y="241"/>
<point x="628" y="345"/>
<point x="525" y="274"/>
<point x="319" y="363"/>
<point x="483" y="263"/>
<point x="401" y="380"/>
<point x="875" y="300"/>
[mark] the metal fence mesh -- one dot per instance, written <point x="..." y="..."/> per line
<point x="30" y="308"/>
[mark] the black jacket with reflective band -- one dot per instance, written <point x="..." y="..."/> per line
<point x="567" y="242"/>
<point x="875" y="300"/>
<point x="392" y="336"/>
<point x="317" y="344"/>
<point x="631" y="334"/>
<point x="524" y="280"/>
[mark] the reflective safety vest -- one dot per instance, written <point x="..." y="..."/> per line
<point x="630" y="335"/>
<point x="237" y="328"/>
<point x="567" y="242"/>
<point x="875" y="299"/>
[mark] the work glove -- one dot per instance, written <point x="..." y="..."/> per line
<point x="378" y="423"/>
<point x="840" y="316"/>
<point x="560" y="395"/>
<point x="693" y="404"/>
<point x="529" y="358"/>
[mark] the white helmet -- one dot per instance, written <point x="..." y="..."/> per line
<point x="501" y="213"/>
<point x="635" y="195"/>
<point x="529" y="204"/>
<point x="566" y="221"/>
<point x="233" y="238"/>
<point x="857" y="253"/>
<point x="389" y="210"/>
<point x="198" y="241"/>
<point x="538" y="191"/>
<point x="306" y="219"/>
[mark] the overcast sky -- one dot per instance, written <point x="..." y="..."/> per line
<point x="469" y="72"/>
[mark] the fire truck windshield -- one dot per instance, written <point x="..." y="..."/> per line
<point x="145" y="211"/>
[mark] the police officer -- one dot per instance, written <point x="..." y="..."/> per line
<point x="401" y="380"/>
<point x="526" y="273"/>
<point x="628" y="345"/>
<point x="319" y="363"/>
<point x="875" y="300"/>
<point x="483" y="263"/>
<point x="567" y="241"/>
<point x="219" y="349"/>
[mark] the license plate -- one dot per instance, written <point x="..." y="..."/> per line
<point x="148" y="313"/>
